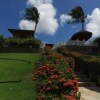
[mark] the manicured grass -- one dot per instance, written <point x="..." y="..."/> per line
<point x="17" y="66"/>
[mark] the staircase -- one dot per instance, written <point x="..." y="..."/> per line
<point x="83" y="81"/>
<point x="88" y="89"/>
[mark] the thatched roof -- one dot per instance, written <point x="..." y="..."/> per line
<point x="49" y="45"/>
<point x="82" y="35"/>
<point x="18" y="31"/>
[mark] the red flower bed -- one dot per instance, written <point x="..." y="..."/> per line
<point x="54" y="78"/>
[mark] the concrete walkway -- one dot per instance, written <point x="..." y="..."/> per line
<point x="88" y="89"/>
<point x="90" y="93"/>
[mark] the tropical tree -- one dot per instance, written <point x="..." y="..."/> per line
<point x="33" y="15"/>
<point x="77" y="15"/>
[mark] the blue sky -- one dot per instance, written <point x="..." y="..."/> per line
<point x="11" y="13"/>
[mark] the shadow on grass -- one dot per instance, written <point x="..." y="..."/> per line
<point x="17" y="60"/>
<point x="14" y="81"/>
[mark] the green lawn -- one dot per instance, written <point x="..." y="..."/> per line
<point x="17" y="66"/>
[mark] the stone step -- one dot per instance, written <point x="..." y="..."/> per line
<point x="80" y="76"/>
<point x="78" y="73"/>
<point x="82" y="79"/>
<point x="86" y="84"/>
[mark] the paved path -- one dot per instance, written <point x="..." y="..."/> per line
<point x="90" y="93"/>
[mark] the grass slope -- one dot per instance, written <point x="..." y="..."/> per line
<point x="16" y="66"/>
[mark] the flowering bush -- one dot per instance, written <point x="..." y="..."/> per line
<point x="54" y="78"/>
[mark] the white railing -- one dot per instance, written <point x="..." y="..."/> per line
<point x="75" y="42"/>
<point x="72" y="42"/>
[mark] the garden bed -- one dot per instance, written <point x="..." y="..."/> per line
<point x="54" y="77"/>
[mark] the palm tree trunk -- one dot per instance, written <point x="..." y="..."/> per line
<point x="82" y="25"/>
<point x="35" y="28"/>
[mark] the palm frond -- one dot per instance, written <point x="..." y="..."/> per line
<point x="77" y="14"/>
<point x="32" y="14"/>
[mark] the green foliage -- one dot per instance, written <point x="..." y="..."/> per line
<point x="23" y="43"/>
<point x="78" y="95"/>
<point x="77" y="15"/>
<point x="88" y="64"/>
<point x="54" y="77"/>
<point x="33" y="15"/>
<point x="2" y="39"/>
<point x="97" y="40"/>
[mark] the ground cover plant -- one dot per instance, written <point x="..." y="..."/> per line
<point x="17" y="66"/>
<point x="54" y="78"/>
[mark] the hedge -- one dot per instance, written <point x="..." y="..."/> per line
<point x="87" y="64"/>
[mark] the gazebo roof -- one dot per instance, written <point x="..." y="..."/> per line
<point x="13" y="31"/>
<point x="82" y="35"/>
<point x="49" y="44"/>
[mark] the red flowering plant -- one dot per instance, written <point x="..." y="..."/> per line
<point x="48" y="84"/>
<point x="54" y="78"/>
<point x="55" y="85"/>
<point x="42" y="72"/>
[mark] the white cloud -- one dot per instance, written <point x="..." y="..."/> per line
<point x="48" y="23"/>
<point x="94" y="23"/>
<point x="24" y="24"/>
<point x="64" y="18"/>
<point x="37" y="2"/>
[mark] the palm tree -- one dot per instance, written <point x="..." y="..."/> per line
<point x="33" y="15"/>
<point x="77" y="15"/>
